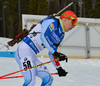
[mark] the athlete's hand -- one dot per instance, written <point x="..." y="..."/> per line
<point x="61" y="72"/>
<point x="60" y="56"/>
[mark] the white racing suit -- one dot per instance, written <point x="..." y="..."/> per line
<point x="46" y="33"/>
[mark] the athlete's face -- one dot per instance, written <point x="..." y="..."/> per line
<point x="68" y="24"/>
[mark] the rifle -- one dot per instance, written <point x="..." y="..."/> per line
<point x="25" y="32"/>
<point x="20" y="36"/>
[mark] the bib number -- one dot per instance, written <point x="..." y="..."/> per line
<point x="27" y="64"/>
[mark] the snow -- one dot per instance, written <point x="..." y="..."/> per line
<point x="81" y="72"/>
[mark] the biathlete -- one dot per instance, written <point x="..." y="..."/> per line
<point x="47" y="34"/>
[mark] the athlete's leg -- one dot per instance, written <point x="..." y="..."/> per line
<point x="44" y="74"/>
<point x="26" y="59"/>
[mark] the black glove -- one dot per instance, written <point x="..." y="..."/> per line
<point x="61" y="72"/>
<point x="60" y="56"/>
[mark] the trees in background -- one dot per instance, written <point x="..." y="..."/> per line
<point x="11" y="12"/>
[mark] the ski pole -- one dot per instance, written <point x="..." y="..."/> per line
<point x="29" y="68"/>
<point x="11" y="77"/>
<point x="22" y="76"/>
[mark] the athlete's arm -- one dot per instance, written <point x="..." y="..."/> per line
<point x="45" y="33"/>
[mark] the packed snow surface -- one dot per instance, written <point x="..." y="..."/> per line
<point x="81" y="72"/>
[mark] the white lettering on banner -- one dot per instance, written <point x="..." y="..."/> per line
<point x="37" y="44"/>
<point x="59" y="31"/>
<point x="56" y="37"/>
<point x="33" y="46"/>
